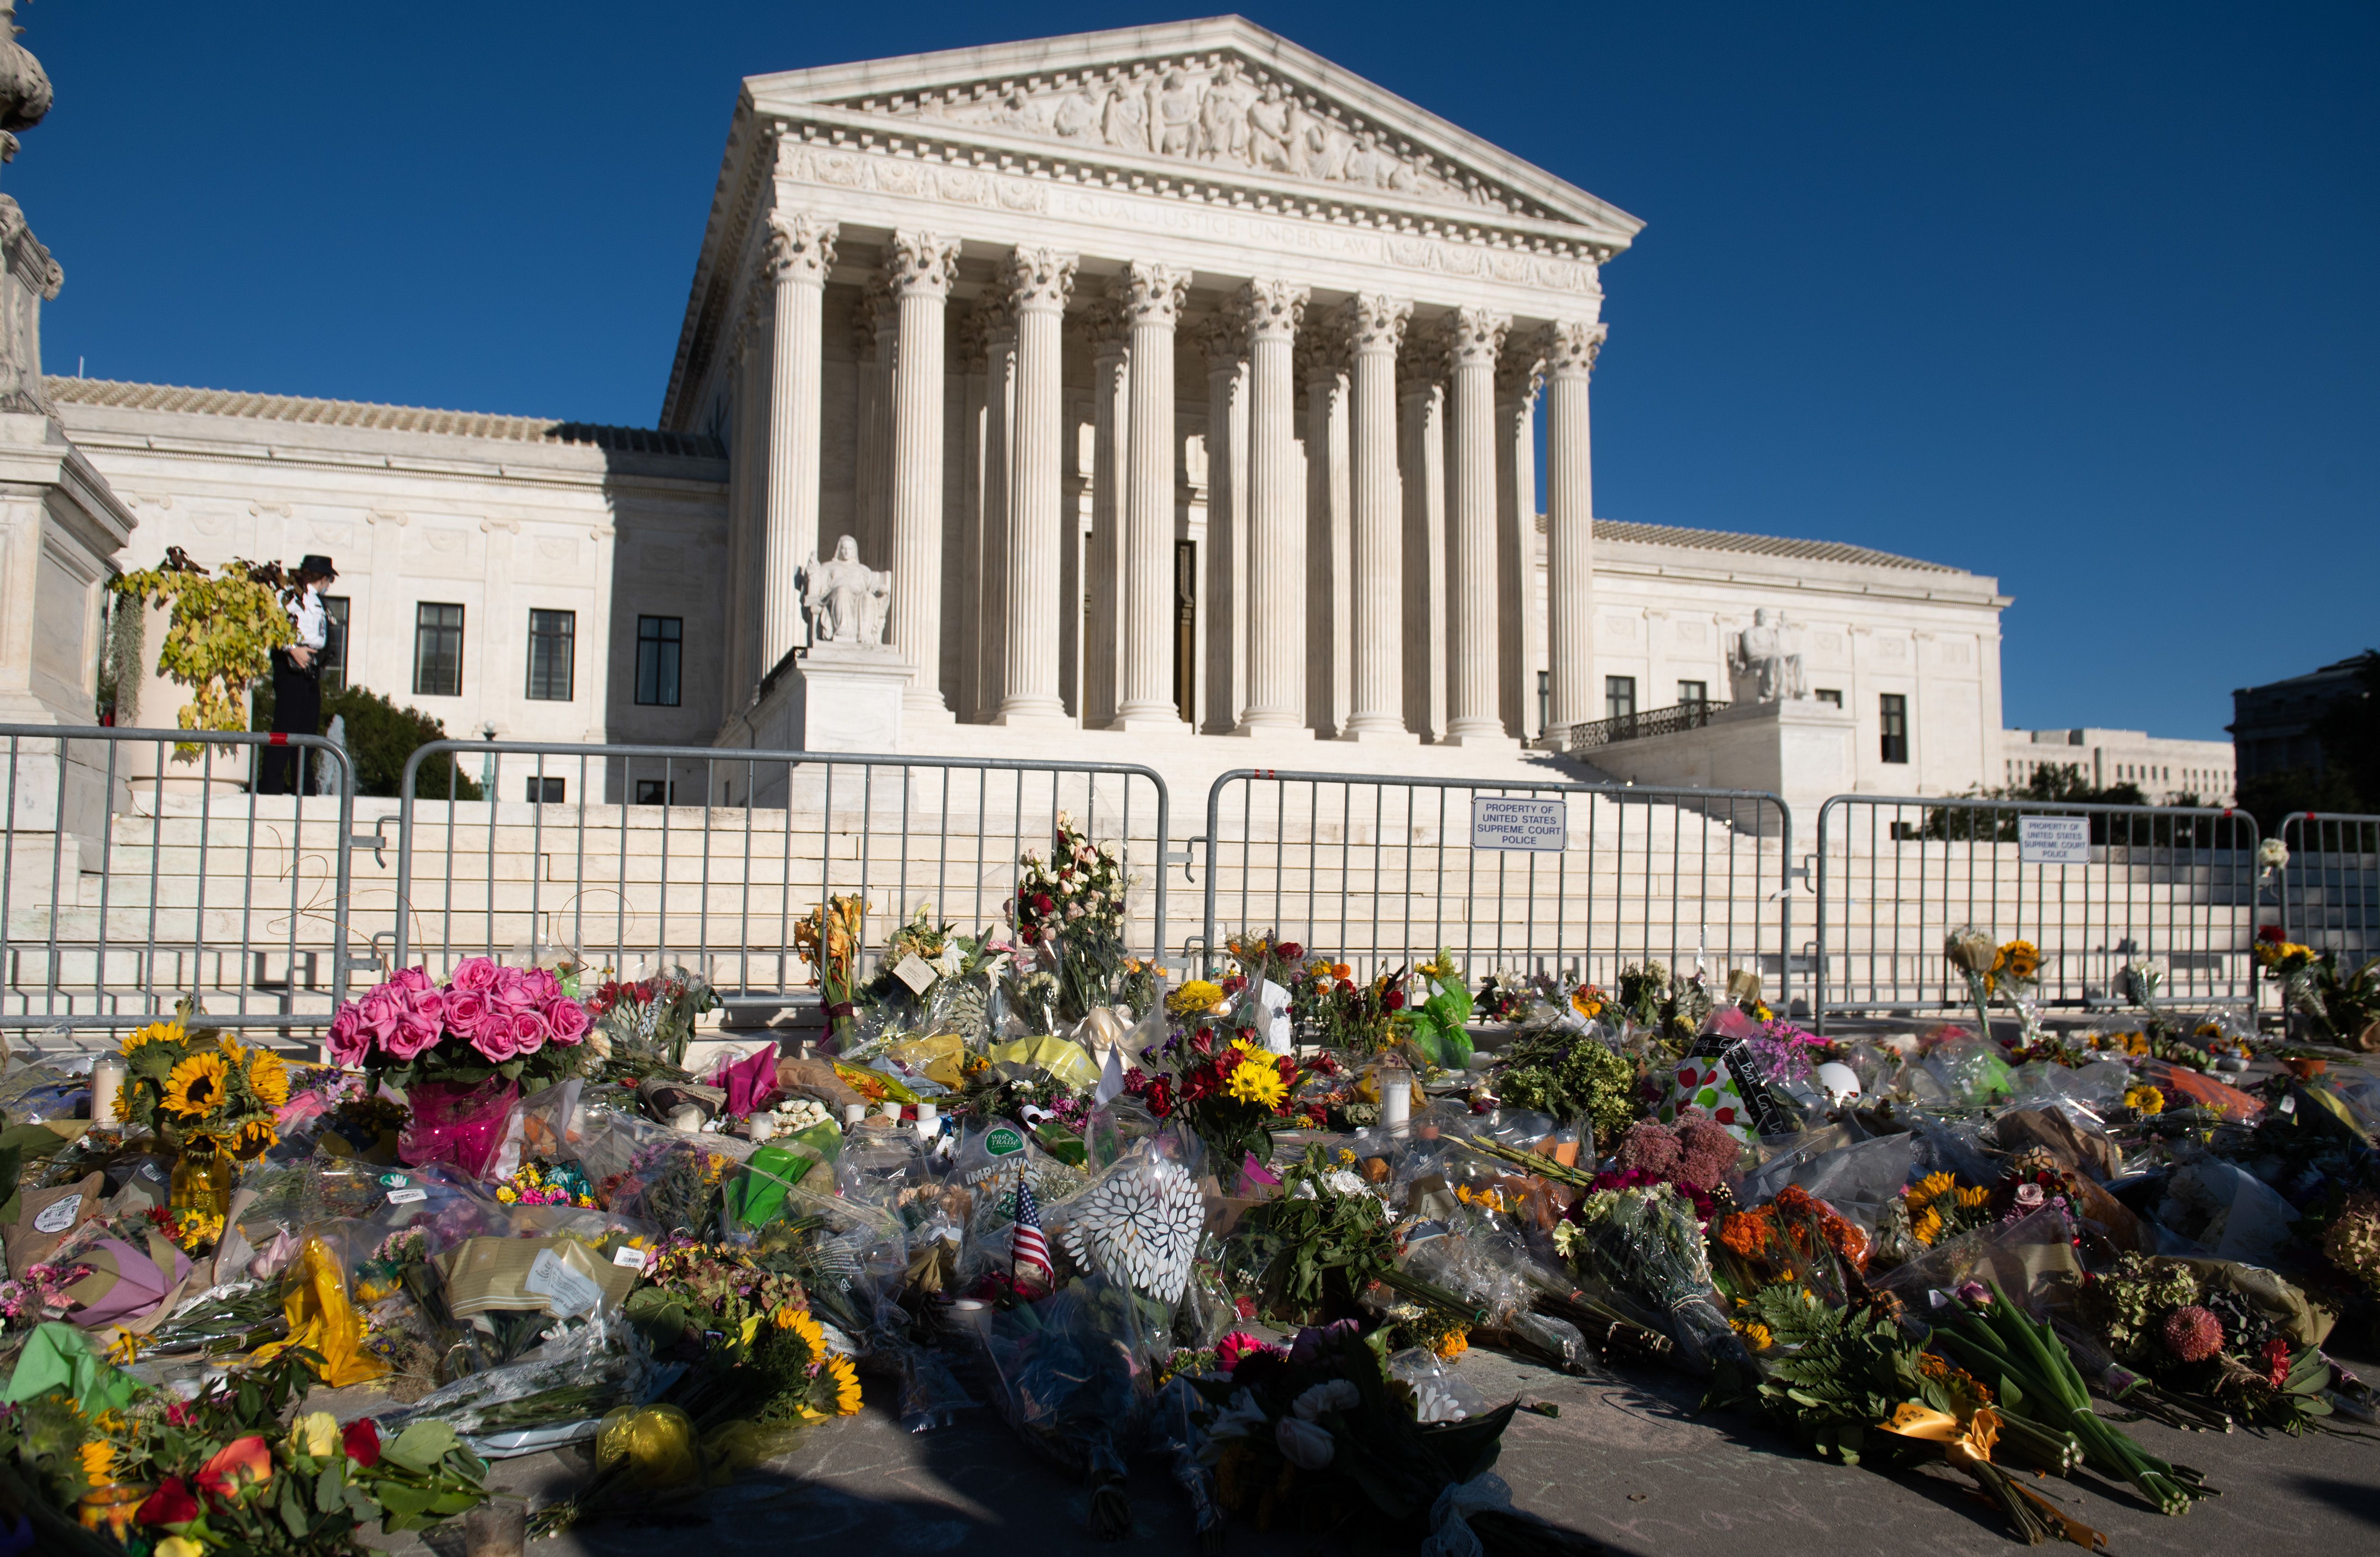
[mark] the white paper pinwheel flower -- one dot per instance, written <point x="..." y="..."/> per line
<point x="1140" y="1225"/>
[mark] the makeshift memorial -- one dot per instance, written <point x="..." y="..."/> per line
<point x="1643" y="1240"/>
<point x="1223" y="1083"/>
<point x="1311" y="1252"/>
<point x="1671" y="1009"/>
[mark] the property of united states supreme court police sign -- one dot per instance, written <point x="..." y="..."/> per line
<point x="1525" y="826"/>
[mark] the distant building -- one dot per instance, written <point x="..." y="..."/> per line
<point x="2166" y="771"/>
<point x="2273" y="725"/>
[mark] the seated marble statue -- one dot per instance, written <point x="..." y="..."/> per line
<point x="1763" y="664"/>
<point x="844" y="600"/>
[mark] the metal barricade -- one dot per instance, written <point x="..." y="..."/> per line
<point x="1574" y="881"/>
<point x="2330" y="888"/>
<point x="644" y="856"/>
<point x="2095" y="887"/>
<point x="133" y="876"/>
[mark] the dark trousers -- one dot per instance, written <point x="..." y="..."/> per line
<point x="297" y="711"/>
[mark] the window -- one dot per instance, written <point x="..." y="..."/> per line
<point x="1830" y="694"/>
<point x="1895" y="710"/>
<point x="656" y="792"/>
<point x="550" y="637"/>
<point x="437" y="650"/>
<point x="1693" y="694"/>
<point x="334" y="653"/>
<point x="659" y="640"/>
<point x="1618" y="697"/>
<point x="1544" y="700"/>
<point x="542" y="791"/>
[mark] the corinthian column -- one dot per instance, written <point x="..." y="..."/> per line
<point x="801" y="250"/>
<point x="920" y="278"/>
<point x="1039" y="281"/>
<point x="1473" y="716"/>
<point x="1110" y="427"/>
<point x="1518" y="376"/>
<point x="1374" y="327"/>
<point x="1151" y="296"/>
<point x="1222" y="340"/>
<point x="1570" y="351"/>
<point x="1421" y="402"/>
<point x="1276" y="528"/>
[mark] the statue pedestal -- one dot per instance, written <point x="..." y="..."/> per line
<point x="832" y="697"/>
<point x="1800" y="751"/>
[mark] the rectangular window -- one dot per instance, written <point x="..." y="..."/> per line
<point x="1830" y="694"/>
<point x="1693" y="694"/>
<point x="334" y="652"/>
<point x="542" y="791"/>
<point x="1619" y="696"/>
<point x="658" y="641"/>
<point x="656" y="792"/>
<point x="552" y="638"/>
<point x="1895" y="710"/>
<point x="437" y="650"/>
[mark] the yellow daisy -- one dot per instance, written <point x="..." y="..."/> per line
<point x="1255" y="1083"/>
<point x="846" y="1384"/>
<point x="196" y="1087"/>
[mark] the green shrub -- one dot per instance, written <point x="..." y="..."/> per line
<point x="381" y="735"/>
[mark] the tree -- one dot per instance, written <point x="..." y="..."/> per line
<point x="381" y="735"/>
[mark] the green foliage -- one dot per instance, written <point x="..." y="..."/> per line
<point x="1836" y="1373"/>
<point x="1434" y="1025"/>
<point x="219" y="638"/>
<point x="1572" y="1076"/>
<point x="381" y="735"/>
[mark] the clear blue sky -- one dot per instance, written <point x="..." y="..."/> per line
<point x="2083" y="296"/>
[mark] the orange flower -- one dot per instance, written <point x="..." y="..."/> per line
<point x="1342" y="971"/>
<point x="1744" y="1231"/>
<point x="240" y="1462"/>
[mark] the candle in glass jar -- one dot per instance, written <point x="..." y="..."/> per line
<point x="107" y="1090"/>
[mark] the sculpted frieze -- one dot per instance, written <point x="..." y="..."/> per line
<point x="1206" y="109"/>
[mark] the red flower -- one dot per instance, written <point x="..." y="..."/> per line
<point x="1291" y="951"/>
<point x="1234" y="984"/>
<point x="2276" y="1363"/>
<point x="170" y="1504"/>
<point x="1042" y="903"/>
<point x="236" y="1464"/>
<point x="179" y="1413"/>
<point x="2271" y="933"/>
<point x="1393" y="1000"/>
<point x="1161" y="1098"/>
<point x="1346" y="986"/>
<point x="363" y="1441"/>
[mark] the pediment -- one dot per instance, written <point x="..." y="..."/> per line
<point x="1222" y="97"/>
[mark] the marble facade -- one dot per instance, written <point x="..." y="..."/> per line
<point x="992" y="311"/>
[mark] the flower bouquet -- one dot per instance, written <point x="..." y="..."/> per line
<point x="1071" y="909"/>
<point x="641" y="1025"/>
<point x="831" y="938"/>
<point x="208" y="1097"/>
<point x="1224" y="1084"/>
<point x="1643" y="1240"/>
<point x="464" y="1051"/>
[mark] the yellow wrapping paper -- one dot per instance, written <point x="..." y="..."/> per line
<point x="1069" y="1062"/>
<point x="935" y="1056"/>
<point x="657" y="1444"/>
<point x="323" y="1322"/>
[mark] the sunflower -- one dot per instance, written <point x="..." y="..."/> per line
<point x="1926" y="1226"/>
<point x="155" y="1033"/>
<point x="1261" y="1084"/>
<point x="196" y="1087"/>
<point x="1756" y="1335"/>
<point x="2144" y="1100"/>
<point x="806" y="1329"/>
<point x="267" y="1077"/>
<point x="846" y="1384"/>
<point x="1933" y="1187"/>
<point x="255" y="1137"/>
<point x="1970" y="1198"/>
<point x="98" y="1460"/>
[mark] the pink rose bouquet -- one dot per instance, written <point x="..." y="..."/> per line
<point x="488" y="1022"/>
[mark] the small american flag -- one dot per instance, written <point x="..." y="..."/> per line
<point x="1029" y="1249"/>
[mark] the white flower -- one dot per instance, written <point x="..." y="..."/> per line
<point x="2274" y="855"/>
<point x="949" y="962"/>
<point x="1345" y="1181"/>
<point x="1239" y="1419"/>
<point x="1334" y="1394"/>
<point x="1303" y="1443"/>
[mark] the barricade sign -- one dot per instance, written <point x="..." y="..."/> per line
<point x="2054" y="840"/>
<point x="1513" y="826"/>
